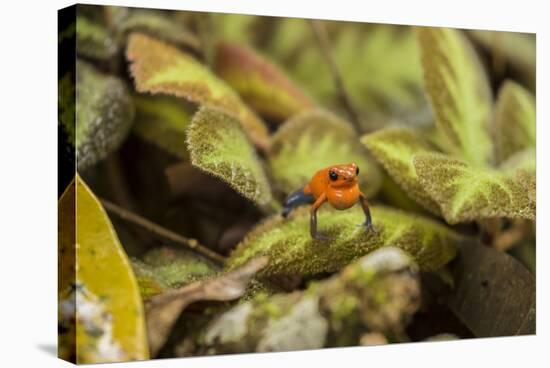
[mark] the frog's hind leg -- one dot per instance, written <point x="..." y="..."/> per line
<point x="296" y="199"/>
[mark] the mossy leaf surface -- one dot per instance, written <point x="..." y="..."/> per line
<point x="394" y="148"/>
<point x="459" y="93"/>
<point x="160" y="68"/>
<point x="110" y="324"/>
<point x="260" y="83"/>
<point x="467" y="193"/>
<point x="162" y="120"/>
<point x="219" y="146"/>
<point x="104" y="114"/>
<point x="292" y="251"/>
<point x="162" y="269"/>
<point x="515" y="120"/>
<point x="314" y="140"/>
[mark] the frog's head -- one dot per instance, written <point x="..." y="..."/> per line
<point x="343" y="175"/>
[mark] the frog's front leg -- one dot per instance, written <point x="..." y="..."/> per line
<point x="313" y="219"/>
<point x="368" y="219"/>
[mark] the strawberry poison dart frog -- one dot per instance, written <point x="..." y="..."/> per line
<point x="337" y="185"/>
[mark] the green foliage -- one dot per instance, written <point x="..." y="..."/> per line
<point x="162" y="120"/>
<point x="312" y="141"/>
<point x="104" y="114"/>
<point x="156" y="24"/>
<point x="292" y="251"/>
<point x="467" y="193"/>
<point x="395" y="148"/>
<point x="218" y="146"/>
<point x="160" y="68"/>
<point x="387" y="87"/>
<point x="459" y="93"/>
<point x="259" y="82"/>
<point x="93" y="40"/>
<point x="514" y="49"/>
<point x="515" y="120"/>
<point x="110" y="323"/>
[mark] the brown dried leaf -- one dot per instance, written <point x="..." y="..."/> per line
<point x="163" y="310"/>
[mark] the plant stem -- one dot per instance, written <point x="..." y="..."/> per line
<point x="324" y="44"/>
<point x="162" y="232"/>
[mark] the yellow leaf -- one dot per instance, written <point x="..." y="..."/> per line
<point x="96" y="285"/>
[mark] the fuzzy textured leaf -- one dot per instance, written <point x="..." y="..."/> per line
<point x="314" y="140"/>
<point x="162" y="120"/>
<point x="103" y="295"/>
<point x="218" y="145"/>
<point x="104" y="114"/>
<point x="515" y="120"/>
<point x="259" y="82"/>
<point x="467" y="193"/>
<point x="160" y="68"/>
<point x="156" y="24"/>
<point x="394" y="148"/>
<point x="292" y="251"/>
<point x="459" y="93"/>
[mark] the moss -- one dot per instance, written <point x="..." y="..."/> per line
<point x="162" y="269"/>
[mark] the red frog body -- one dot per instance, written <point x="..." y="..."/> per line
<point x="338" y="185"/>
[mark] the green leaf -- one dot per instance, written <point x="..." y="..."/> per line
<point x="218" y="145"/>
<point x="259" y="82"/>
<point x="156" y="24"/>
<point x="514" y="50"/>
<point x="312" y="141"/>
<point x="467" y="193"/>
<point x="159" y="68"/>
<point x="380" y="64"/>
<point x="394" y="148"/>
<point x="96" y="278"/>
<point x="515" y="120"/>
<point x="523" y="160"/>
<point x="459" y="93"/>
<point x="104" y="114"/>
<point x="93" y="40"/>
<point x="162" y="120"/>
<point x="292" y="251"/>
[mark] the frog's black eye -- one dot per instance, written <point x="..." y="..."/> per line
<point x="332" y="175"/>
<point x="357" y="171"/>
